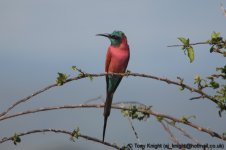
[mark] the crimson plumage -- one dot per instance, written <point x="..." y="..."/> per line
<point x="117" y="59"/>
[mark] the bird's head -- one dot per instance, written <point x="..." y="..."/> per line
<point x="115" y="37"/>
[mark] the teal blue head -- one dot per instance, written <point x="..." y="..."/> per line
<point x="115" y="37"/>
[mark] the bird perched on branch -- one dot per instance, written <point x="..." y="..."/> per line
<point x="117" y="59"/>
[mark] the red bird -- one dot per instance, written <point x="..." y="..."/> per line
<point x="116" y="62"/>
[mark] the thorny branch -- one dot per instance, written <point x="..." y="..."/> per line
<point x="122" y="107"/>
<point x="87" y="75"/>
<point x="59" y="131"/>
<point x="4" y="115"/>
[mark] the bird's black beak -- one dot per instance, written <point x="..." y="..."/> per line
<point x="105" y="34"/>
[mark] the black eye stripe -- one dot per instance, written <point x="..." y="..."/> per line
<point x="115" y="37"/>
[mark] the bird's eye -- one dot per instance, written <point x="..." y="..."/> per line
<point x="115" y="37"/>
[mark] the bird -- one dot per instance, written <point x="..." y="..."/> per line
<point x="117" y="58"/>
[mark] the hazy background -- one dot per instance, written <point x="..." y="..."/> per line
<point x="39" y="38"/>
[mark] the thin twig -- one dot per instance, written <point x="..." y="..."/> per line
<point x="178" y="45"/>
<point x="172" y="137"/>
<point x="92" y="99"/>
<point x="59" y="131"/>
<point x="198" y="97"/>
<point x="134" y="131"/>
<point x="151" y="112"/>
<point x="199" y="43"/>
<point x="183" y="131"/>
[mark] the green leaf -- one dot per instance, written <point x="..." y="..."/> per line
<point x="128" y="146"/>
<point x="159" y="118"/>
<point x="61" y="78"/>
<point x="135" y="114"/>
<point x="224" y="134"/>
<point x="197" y="79"/>
<point x="75" y="134"/>
<point x="186" y="118"/>
<point x="90" y="77"/>
<point x="74" y="68"/>
<point x="215" y="35"/>
<point x="191" y="54"/>
<point x="209" y="41"/>
<point x="223" y="71"/>
<point x="181" y="88"/>
<point x="214" y="84"/>
<point x="187" y="42"/>
<point x="81" y="74"/>
<point x="16" y="139"/>
<point x="212" y="49"/>
<point x="184" y="40"/>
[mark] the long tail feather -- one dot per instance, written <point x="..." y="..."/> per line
<point x="105" y="124"/>
<point x="107" y="110"/>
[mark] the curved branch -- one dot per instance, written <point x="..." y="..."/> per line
<point x="27" y="98"/>
<point x="59" y="131"/>
<point x="52" y="108"/>
<point x="87" y="75"/>
<point x="150" y="112"/>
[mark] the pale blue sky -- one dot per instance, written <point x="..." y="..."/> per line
<point x="40" y="38"/>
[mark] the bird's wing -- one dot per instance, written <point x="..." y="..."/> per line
<point x="108" y="59"/>
<point x="107" y="63"/>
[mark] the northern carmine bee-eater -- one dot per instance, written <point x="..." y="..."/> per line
<point x="116" y="62"/>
